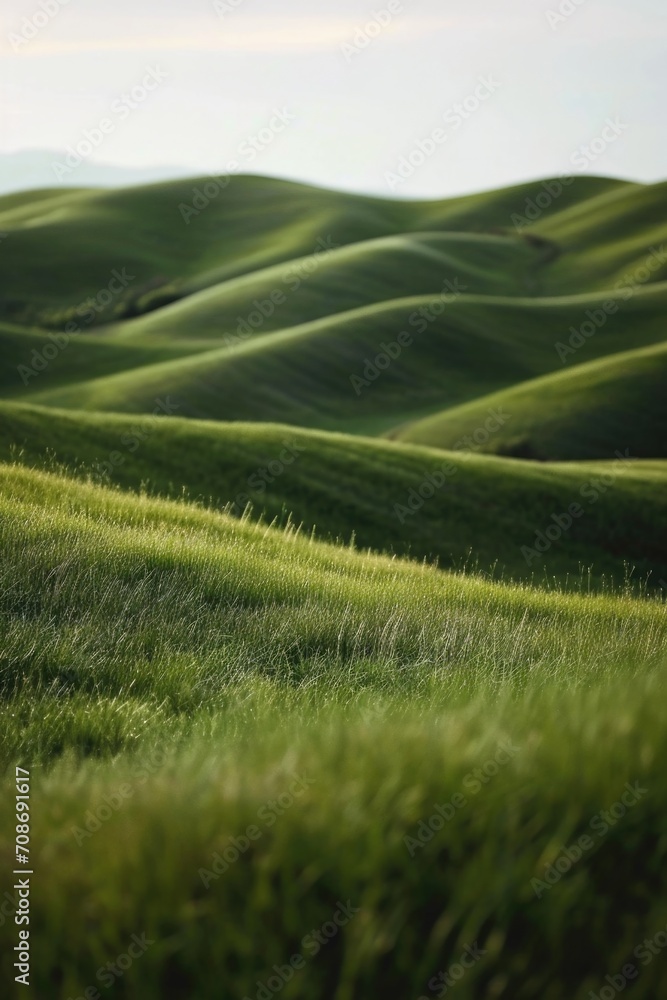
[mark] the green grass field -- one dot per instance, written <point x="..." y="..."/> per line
<point x="333" y="688"/>
<point x="481" y="513"/>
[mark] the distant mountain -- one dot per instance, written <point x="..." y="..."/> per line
<point x="35" y="169"/>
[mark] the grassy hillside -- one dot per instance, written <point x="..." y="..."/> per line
<point x="335" y="279"/>
<point x="478" y="510"/>
<point x="33" y="357"/>
<point x="234" y="565"/>
<point x="315" y="700"/>
<point x="323" y="373"/>
<point x="609" y="238"/>
<point x="274" y="302"/>
<point x="198" y="664"/>
<point x="369" y="787"/>
<point x="590" y="410"/>
<point x="253" y="223"/>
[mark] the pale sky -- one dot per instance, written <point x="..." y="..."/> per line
<point x="552" y="84"/>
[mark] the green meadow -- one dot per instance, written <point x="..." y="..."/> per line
<point x="333" y="539"/>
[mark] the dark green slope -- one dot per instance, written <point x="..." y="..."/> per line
<point x="487" y="511"/>
<point x="337" y="279"/>
<point x="349" y="275"/>
<point x="616" y="238"/>
<point x="318" y="374"/>
<point x="588" y="411"/>
<point x="34" y="360"/>
<point x="65" y="246"/>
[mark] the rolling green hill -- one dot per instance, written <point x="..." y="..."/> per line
<point x="478" y="510"/>
<point x="275" y="301"/>
<point x="257" y="222"/>
<point x="35" y="356"/>
<point x="277" y="647"/>
<point x="336" y="279"/>
<point x="76" y="552"/>
<point x="282" y="304"/>
<point x="609" y="238"/>
<point x="253" y="223"/>
<point x="588" y="411"/>
<point x="324" y="373"/>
